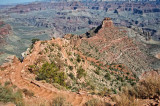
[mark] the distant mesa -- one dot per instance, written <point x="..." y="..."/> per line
<point x="5" y="29"/>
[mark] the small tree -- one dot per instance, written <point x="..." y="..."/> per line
<point x="81" y="73"/>
<point x="34" y="41"/>
<point x="116" y="11"/>
<point x="78" y="59"/>
<point x="107" y="76"/>
<point x="51" y="73"/>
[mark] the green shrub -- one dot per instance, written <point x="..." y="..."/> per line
<point x="71" y="76"/>
<point x="7" y="83"/>
<point x="70" y="59"/>
<point x="18" y="98"/>
<point x="114" y="91"/>
<point x="34" y="41"/>
<point x="75" y="89"/>
<point x="127" y="73"/>
<point x="46" y="50"/>
<point x="119" y="78"/>
<point x="51" y="73"/>
<point x="93" y="87"/>
<point x="70" y="67"/>
<point x="126" y="77"/>
<point x="107" y="76"/>
<point x="97" y="72"/>
<point x="81" y="73"/>
<point x="78" y="59"/>
<point x="69" y="53"/>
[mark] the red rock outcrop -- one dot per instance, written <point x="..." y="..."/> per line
<point x="107" y="22"/>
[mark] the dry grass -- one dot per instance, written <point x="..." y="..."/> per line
<point x="147" y="88"/>
<point x="36" y="102"/>
<point x="96" y="102"/>
<point x="60" y="101"/>
<point x="124" y="99"/>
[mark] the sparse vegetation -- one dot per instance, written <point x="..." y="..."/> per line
<point x="97" y="72"/>
<point x="148" y="88"/>
<point x="8" y="95"/>
<point x="70" y="67"/>
<point x="81" y="73"/>
<point x="71" y="76"/>
<point x="28" y="93"/>
<point x="105" y="92"/>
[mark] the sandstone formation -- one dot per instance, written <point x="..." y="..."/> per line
<point x="107" y="23"/>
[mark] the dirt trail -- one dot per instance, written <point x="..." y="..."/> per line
<point x="38" y="89"/>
